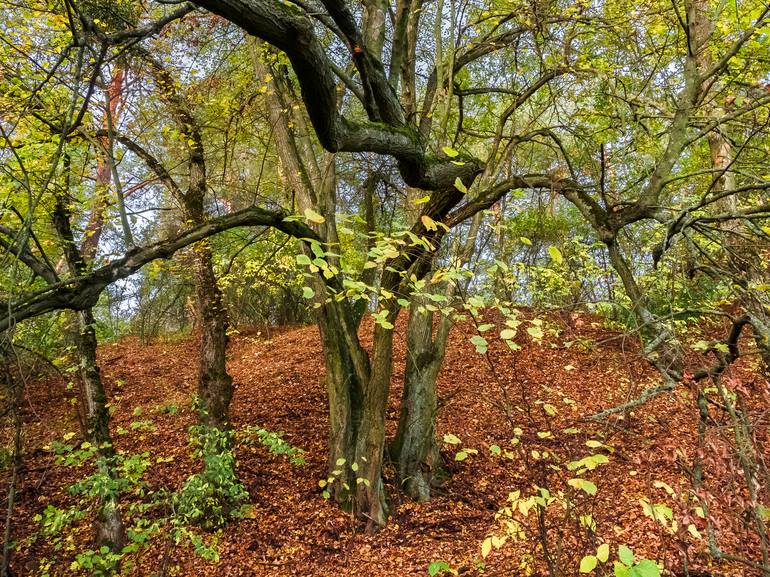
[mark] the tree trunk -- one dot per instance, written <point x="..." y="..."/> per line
<point x="371" y="502"/>
<point x="415" y="449"/>
<point x="215" y="386"/>
<point x="357" y="407"/>
<point x="345" y="395"/>
<point x="661" y="347"/>
<point x="12" y="391"/>
<point x="109" y="529"/>
<point x="108" y="525"/>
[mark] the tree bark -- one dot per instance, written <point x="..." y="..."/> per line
<point x="371" y="501"/>
<point x="415" y="449"/>
<point x="108" y="528"/>
<point x="215" y="386"/>
<point x="108" y="525"/>
<point x="661" y="346"/>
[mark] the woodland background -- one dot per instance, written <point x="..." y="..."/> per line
<point x="385" y="288"/>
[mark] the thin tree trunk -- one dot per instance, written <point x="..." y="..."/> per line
<point x="415" y="448"/>
<point x="345" y="395"/>
<point x="215" y="386"/>
<point x="12" y="391"/>
<point x="108" y="525"/>
<point x="661" y="346"/>
<point x="371" y="501"/>
<point x="109" y="529"/>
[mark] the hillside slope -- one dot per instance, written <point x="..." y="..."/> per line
<point x="548" y="388"/>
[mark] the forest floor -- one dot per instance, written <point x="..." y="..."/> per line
<point x="291" y="530"/>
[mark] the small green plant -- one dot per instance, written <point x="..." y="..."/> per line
<point x="167" y="408"/>
<point x="100" y="561"/>
<point x="530" y="517"/>
<point x="336" y="478"/>
<point x="273" y="441"/>
<point x="626" y="566"/>
<point x="215" y="495"/>
<point x="56" y="525"/>
<point x="143" y="425"/>
<point x="207" y="500"/>
<point x="440" y="568"/>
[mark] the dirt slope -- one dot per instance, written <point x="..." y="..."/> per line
<point x="293" y="531"/>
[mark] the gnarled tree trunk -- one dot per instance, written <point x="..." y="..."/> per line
<point x="345" y="394"/>
<point x="415" y="449"/>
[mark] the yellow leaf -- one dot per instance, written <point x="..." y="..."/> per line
<point x="486" y="547"/>
<point x="428" y="222"/>
<point x="313" y="216"/>
<point x="450" y="152"/>
<point x="603" y="552"/>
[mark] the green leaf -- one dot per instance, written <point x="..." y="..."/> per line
<point x="480" y="343"/>
<point x="438" y="568"/>
<point x="317" y="249"/>
<point x="722" y="348"/>
<point x="583" y="485"/>
<point x="461" y="456"/>
<point x="555" y="255"/>
<point x="645" y="568"/>
<point x="303" y="259"/>
<point x="507" y="334"/>
<point x="535" y="332"/>
<point x="620" y="569"/>
<point x="700" y="346"/>
<point x="625" y="555"/>
<point x="451" y="439"/>
<point x="495" y="449"/>
<point x="525" y="240"/>
<point x="460" y="186"/>
<point x="603" y="552"/>
<point x="588" y="564"/>
<point x="307" y="292"/>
